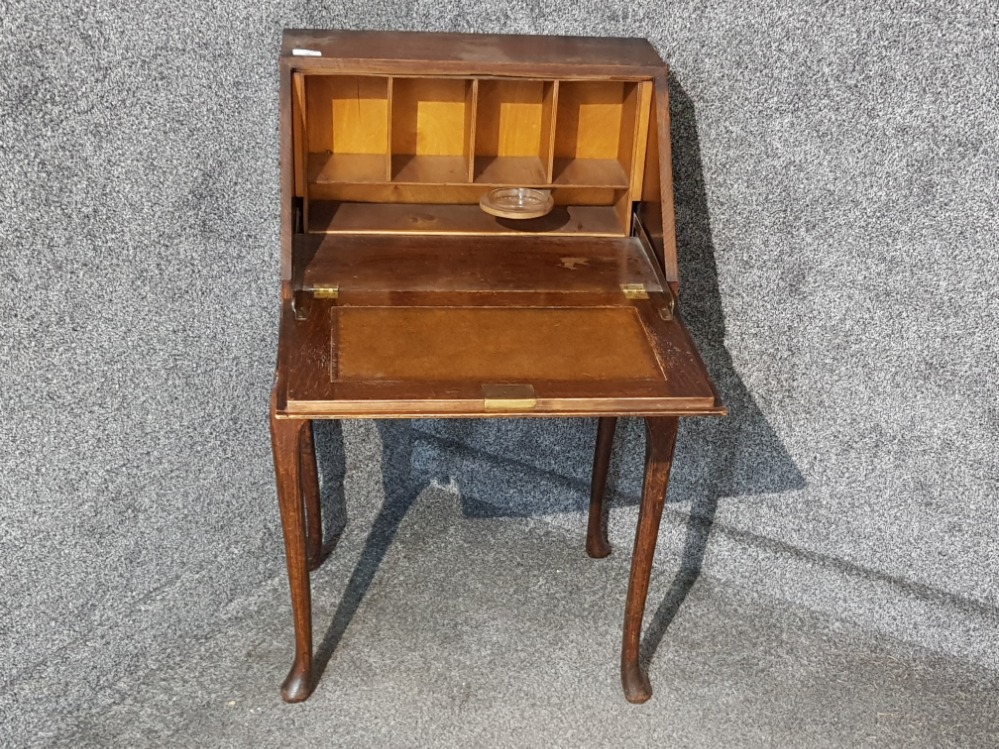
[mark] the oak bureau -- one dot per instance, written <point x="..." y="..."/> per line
<point x="477" y="226"/>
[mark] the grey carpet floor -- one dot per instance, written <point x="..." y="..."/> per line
<point x="836" y="206"/>
<point x="467" y="631"/>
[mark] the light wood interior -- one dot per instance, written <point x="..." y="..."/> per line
<point x="401" y="297"/>
<point x="595" y="133"/>
<point x="468" y="194"/>
<point x="415" y="154"/>
<point x="513" y="132"/>
<point x="431" y="129"/>
<point x="347" y="127"/>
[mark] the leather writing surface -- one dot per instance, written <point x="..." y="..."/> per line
<point x="491" y="344"/>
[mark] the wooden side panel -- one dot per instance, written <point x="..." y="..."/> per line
<point x="298" y="132"/>
<point x="671" y="265"/>
<point x="656" y="209"/>
<point x="287" y="160"/>
<point x="641" y="139"/>
<point x="629" y="124"/>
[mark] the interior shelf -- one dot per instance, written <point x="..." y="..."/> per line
<point x="522" y="171"/>
<point x="590" y="172"/>
<point x="429" y="169"/>
<point x="330" y="168"/>
<point x="329" y="217"/>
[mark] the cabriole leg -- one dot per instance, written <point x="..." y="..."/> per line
<point x="310" y="496"/>
<point x="659" y="444"/>
<point x="596" y="532"/>
<point x="287" y="438"/>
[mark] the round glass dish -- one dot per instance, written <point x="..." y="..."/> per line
<point x="517" y="202"/>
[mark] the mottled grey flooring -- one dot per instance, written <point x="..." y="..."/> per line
<point x="829" y="160"/>
<point x="496" y="632"/>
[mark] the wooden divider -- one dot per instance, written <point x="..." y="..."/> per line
<point x="439" y="141"/>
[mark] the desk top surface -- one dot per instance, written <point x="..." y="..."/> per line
<point x="413" y="47"/>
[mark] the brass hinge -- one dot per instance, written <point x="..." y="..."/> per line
<point x="663" y="303"/>
<point x="634" y="291"/>
<point x="666" y="311"/>
<point x="508" y="397"/>
<point x="327" y="291"/>
<point x="301" y="303"/>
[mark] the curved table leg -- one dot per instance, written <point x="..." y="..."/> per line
<point x="287" y="438"/>
<point x="596" y="532"/>
<point x="659" y="443"/>
<point x="310" y="496"/>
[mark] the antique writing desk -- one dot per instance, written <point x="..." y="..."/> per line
<point x="401" y="297"/>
